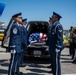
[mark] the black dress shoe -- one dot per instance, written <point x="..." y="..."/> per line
<point x="72" y="57"/>
<point x="18" y="73"/>
<point x="50" y="71"/>
<point x="23" y="65"/>
<point x="74" y="61"/>
<point x="49" y="66"/>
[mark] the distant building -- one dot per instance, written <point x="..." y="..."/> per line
<point x="2" y="25"/>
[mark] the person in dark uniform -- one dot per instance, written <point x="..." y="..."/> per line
<point x="50" y="21"/>
<point x="56" y="43"/>
<point x="24" y="41"/>
<point x="24" y="22"/>
<point x="50" y="24"/>
<point x="74" y="45"/>
<point x="15" y="45"/>
<point x="71" y="50"/>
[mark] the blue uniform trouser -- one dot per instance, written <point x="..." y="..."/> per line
<point x="55" y="62"/>
<point x="14" y="63"/>
<point x="22" y="58"/>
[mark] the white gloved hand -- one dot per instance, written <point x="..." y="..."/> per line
<point x="57" y="50"/>
<point x="33" y="41"/>
<point x="13" y="51"/>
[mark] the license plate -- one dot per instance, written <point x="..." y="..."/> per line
<point x="37" y="53"/>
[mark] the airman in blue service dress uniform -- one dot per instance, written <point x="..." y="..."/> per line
<point x="24" y="41"/>
<point x="50" y="24"/>
<point x="24" y="21"/>
<point x="56" y="43"/>
<point x="15" y="45"/>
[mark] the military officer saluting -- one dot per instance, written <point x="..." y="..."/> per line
<point x="24" y="41"/>
<point x="50" y="24"/>
<point x="24" y="21"/>
<point x="15" y="45"/>
<point x="56" y="43"/>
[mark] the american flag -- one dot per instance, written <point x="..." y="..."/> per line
<point x="37" y="37"/>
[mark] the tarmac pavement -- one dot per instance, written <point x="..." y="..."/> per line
<point x="33" y="68"/>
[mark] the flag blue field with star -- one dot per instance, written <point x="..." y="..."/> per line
<point x="34" y="37"/>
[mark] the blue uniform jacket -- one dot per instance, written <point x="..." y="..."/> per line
<point x="24" y="37"/>
<point x="16" y="38"/>
<point x="56" y="36"/>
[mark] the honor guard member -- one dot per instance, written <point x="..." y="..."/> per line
<point x="24" y="41"/>
<point x="15" y="45"/>
<point x="50" y="21"/>
<point x="24" y="21"/>
<point x="56" y="43"/>
<point x="50" y="24"/>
